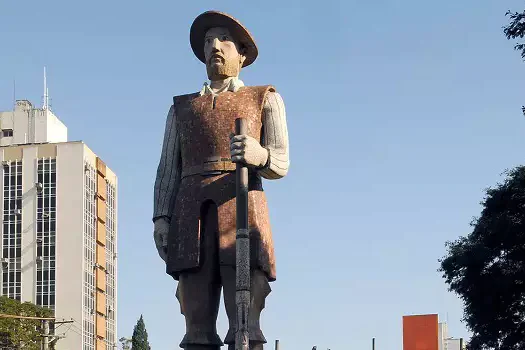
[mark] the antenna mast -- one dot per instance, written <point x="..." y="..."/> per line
<point x="46" y="92"/>
<point x="14" y="94"/>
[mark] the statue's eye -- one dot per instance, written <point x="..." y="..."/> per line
<point x="224" y="38"/>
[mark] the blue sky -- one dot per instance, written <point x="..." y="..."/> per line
<point x="400" y="113"/>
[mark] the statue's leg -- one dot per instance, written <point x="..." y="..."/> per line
<point x="199" y="291"/>
<point x="260" y="288"/>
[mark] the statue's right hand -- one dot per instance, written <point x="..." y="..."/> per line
<point x="160" y="235"/>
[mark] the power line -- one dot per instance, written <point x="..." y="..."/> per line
<point x="47" y="338"/>
<point x="28" y="317"/>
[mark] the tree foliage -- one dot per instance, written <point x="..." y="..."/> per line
<point x="516" y="30"/>
<point x="487" y="268"/>
<point x="21" y="333"/>
<point x="139" y="340"/>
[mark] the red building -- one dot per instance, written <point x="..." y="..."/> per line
<point x="420" y="332"/>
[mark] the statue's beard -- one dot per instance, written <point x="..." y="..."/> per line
<point x="230" y="68"/>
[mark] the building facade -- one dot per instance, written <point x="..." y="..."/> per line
<point x="442" y="335"/>
<point x="425" y="332"/>
<point x="59" y="227"/>
<point x="454" y="344"/>
<point x="449" y="343"/>
<point x="420" y="332"/>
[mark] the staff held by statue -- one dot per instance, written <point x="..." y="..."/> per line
<point x="242" y="247"/>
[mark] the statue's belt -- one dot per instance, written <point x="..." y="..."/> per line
<point x="212" y="164"/>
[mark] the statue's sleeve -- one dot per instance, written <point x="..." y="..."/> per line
<point x="169" y="170"/>
<point x="274" y="137"/>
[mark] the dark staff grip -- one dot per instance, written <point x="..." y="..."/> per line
<point x="242" y="181"/>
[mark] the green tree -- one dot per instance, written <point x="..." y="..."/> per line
<point x="487" y="268"/>
<point x="139" y="340"/>
<point x="516" y="30"/>
<point x="21" y="333"/>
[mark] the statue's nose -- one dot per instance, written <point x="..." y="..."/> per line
<point x="216" y="44"/>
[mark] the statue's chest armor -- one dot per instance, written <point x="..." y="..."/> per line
<point x="205" y="122"/>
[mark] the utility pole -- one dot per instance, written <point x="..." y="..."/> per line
<point x="46" y="335"/>
<point x="46" y="329"/>
<point x="51" y="339"/>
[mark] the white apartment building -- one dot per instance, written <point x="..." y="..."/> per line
<point x="442" y="335"/>
<point x="59" y="227"/>
<point x="445" y="342"/>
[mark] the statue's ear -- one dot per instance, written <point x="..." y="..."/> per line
<point x="242" y="58"/>
<point x="242" y="54"/>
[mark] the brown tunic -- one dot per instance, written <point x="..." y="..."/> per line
<point x="204" y="124"/>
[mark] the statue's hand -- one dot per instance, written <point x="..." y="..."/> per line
<point x="160" y="235"/>
<point x="245" y="149"/>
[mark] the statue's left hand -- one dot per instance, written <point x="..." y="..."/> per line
<point x="245" y="149"/>
<point x="160" y="236"/>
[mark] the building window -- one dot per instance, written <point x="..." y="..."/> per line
<point x="12" y="231"/>
<point x="111" y="250"/>
<point x="7" y="132"/>
<point x="90" y="224"/>
<point x="46" y="234"/>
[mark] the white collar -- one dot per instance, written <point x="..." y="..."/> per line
<point x="233" y="85"/>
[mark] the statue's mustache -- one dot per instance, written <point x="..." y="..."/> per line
<point x="216" y="55"/>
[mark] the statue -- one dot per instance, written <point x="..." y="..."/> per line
<point x="194" y="194"/>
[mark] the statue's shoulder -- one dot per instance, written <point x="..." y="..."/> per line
<point x="178" y="99"/>
<point x="259" y="92"/>
<point x="261" y="88"/>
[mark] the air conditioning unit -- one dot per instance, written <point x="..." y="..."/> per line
<point x="45" y="215"/>
<point x="39" y="259"/>
<point x="4" y="261"/>
<point x="17" y="211"/>
<point x="39" y="187"/>
<point x="5" y="163"/>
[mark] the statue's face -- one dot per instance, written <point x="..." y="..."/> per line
<point x="224" y="56"/>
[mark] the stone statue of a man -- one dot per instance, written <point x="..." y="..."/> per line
<point x="194" y="200"/>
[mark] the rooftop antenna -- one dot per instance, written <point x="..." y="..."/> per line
<point x="46" y="92"/>
<point x="14" y="94"/>
<point x="14" y="103"/>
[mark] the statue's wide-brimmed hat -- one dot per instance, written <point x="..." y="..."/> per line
<point x="210" y="19"/>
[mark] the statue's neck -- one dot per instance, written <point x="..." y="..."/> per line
<point x="221" y="84"/>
